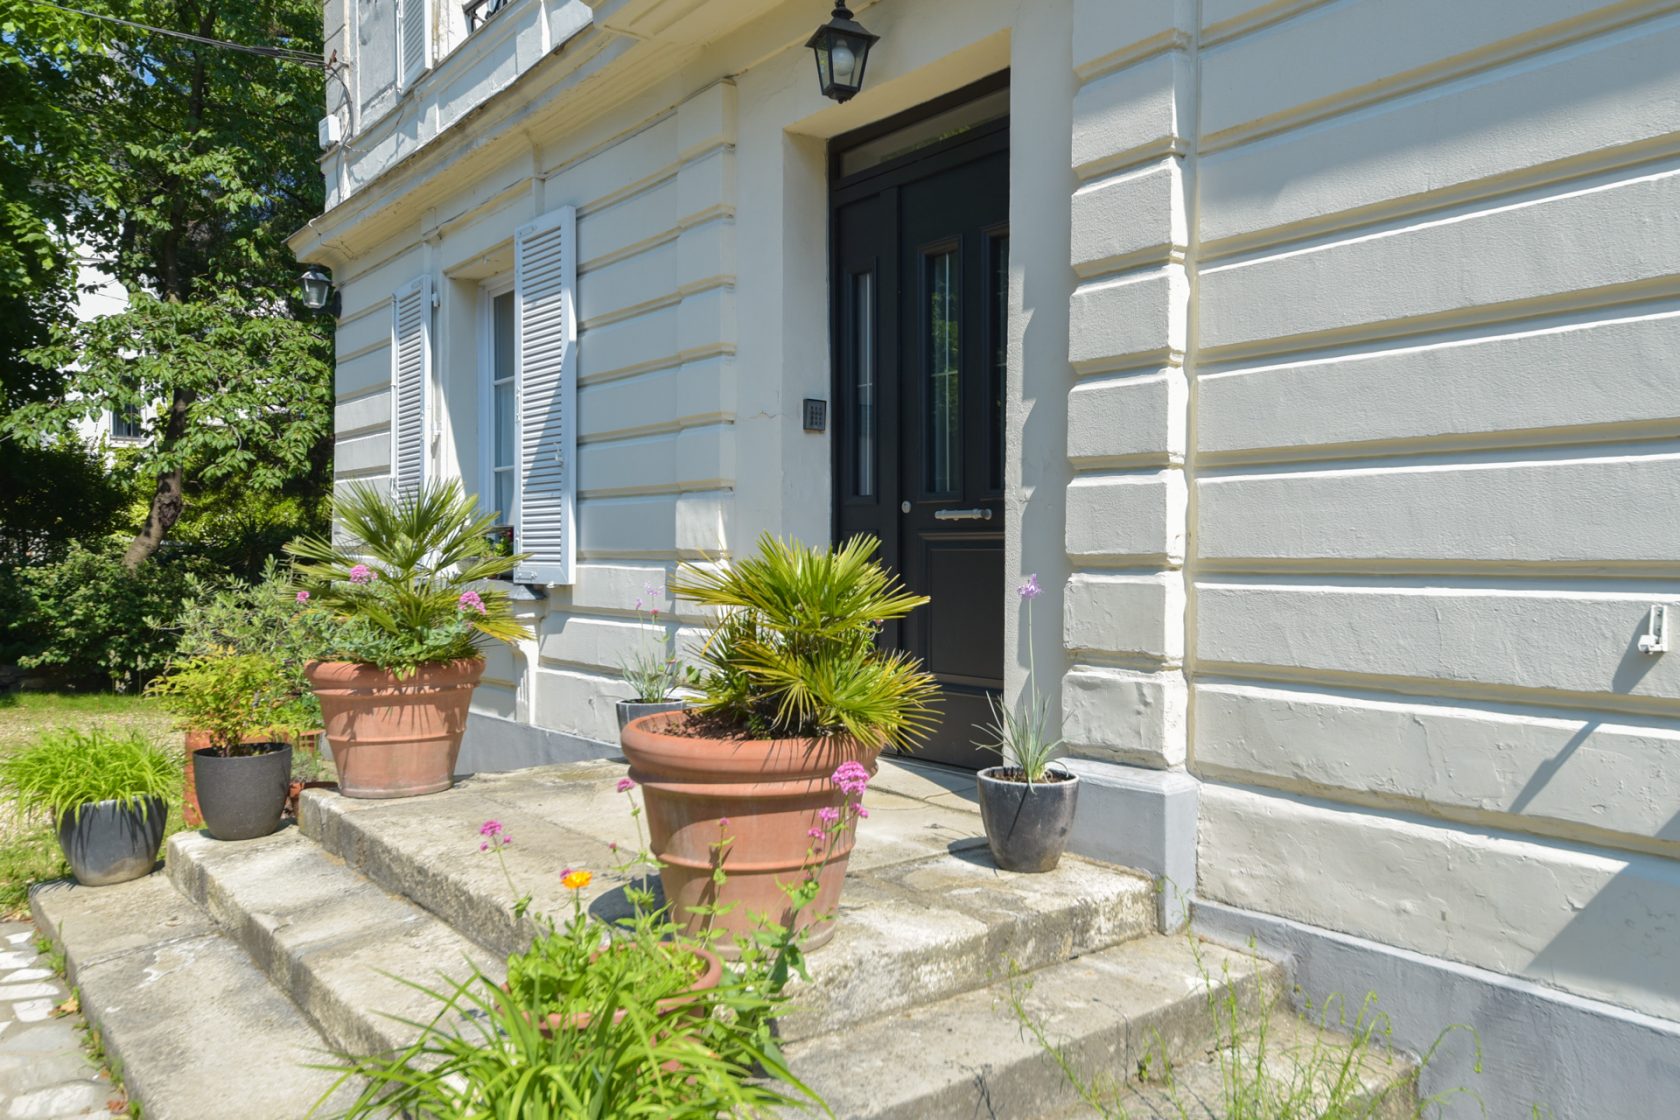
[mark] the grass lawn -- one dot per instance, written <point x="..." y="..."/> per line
<point x="28" y="850"/>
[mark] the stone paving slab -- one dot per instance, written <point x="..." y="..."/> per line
<point x="188" y="1020"/>
<point x="45" y="1070"/>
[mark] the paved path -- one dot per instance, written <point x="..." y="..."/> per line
<point x="45" y="1073"/>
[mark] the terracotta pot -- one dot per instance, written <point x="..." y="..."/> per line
<point x="708" y="979"/>
<point x="770" y="792"/>
<point x="391" y="737"/>
<point x="200" y="740"/>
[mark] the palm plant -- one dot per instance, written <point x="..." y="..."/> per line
<point x="793" y="651"/>
<point x="403" y="579"/>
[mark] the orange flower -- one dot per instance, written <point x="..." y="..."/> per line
<point x="575" y="880"/>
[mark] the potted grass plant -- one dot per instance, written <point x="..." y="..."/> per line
<point x="250" y="713"/>
<point x="108" y="796"/>
<point x="1026" y="805"/>
<point x="796" y="701"/>
<point x="402" y="607"/>
<point x="652" y="672"/>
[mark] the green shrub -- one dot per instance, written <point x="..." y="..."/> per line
<point x="54" y="495"/>
<point x="66" y="770"/>
<point x="792" y="653"/>
<point x="95" y="621"/>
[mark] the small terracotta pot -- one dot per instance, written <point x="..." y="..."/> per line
<point x="771" y="792"/>
<point x="394" y="737"/>
<point x="708" y="979"/>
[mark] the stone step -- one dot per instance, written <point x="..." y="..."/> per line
<point x="344" y="950"/>
<point x="925" y="915"/>
<point x="188" y="1022"/>
<point x="1302" y="1062"/>
<point x="970" y="1054"/>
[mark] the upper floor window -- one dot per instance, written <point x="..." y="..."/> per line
<point x="477" y="11"/>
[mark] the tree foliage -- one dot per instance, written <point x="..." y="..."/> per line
<point x="180" y="167"/>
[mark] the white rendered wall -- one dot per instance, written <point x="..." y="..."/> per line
<point x="1435" y="263"/>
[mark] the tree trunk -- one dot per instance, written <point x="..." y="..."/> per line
<point x="169" y="499"/>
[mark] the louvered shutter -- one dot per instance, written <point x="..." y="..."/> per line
<point x="413" y="18"/>
<point x="411" y="377"/>
<point x="545" y="286"/>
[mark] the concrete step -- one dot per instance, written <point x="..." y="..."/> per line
<point x="188" y="1022"/>
<point x="1148" y="1004"/>
<point x="344" y="950"/>
<point x="925" y="915"/>
<point x="1302" y="1063"/>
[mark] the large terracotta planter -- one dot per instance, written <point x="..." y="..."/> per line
<point x="770" y="792"/>
<point x="394" y="737"/>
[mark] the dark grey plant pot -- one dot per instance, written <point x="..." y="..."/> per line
<point x="1027" y="826"/>
<point x="242" y="797"/>
<point x="636" y="709"/>
<point x="113" y="841"/>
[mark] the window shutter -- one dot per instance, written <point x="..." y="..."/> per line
<point x="411" y="378"/>
<point x="545" y="283"/>
<point x="413" y="16"/>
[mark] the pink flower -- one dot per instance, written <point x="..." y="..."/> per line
<point x="1029" y="589"/>
<point x="625" y="785"/>
<point x="852" y="778"/>
<point x="723" y="822"/>
<point x="815" y="833"/>
<point x="612" y="845"/>
<point x="638" y="605"/>
<point x="303" y="596"/>
<point x="469" y="601"/>
<point x="361" y="574"/>
<point x="490" y="828"/>
<point x="484" y="847"/>
<point x="857" y="807"/>
<point x="828" y="814"/>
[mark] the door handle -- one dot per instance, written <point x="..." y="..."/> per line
<point x="962" y="515"/>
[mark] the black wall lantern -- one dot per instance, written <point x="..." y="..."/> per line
<point x="842" y="49"/>
<point x="317" y="288"/>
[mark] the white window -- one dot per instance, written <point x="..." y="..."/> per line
<point x="499" y="402"/>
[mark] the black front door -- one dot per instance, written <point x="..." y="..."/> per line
<point x="921" y="251"/>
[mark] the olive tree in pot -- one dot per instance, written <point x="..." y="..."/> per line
<point x="1026" y="806"/>
<point x="402" y="605"/>
<point x="750" y="793"/>
<point x="653" y="672"/>
<point x="251" y="713"/>
<point x="108" y="795"/>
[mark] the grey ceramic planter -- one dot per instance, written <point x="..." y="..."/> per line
<point x="242" y="797"/>
<point x="636" y="709"/>
<point x="1027" y="826"/>
<point x="113" y="841"/>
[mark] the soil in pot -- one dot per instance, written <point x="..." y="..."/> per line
<point x="394" y="736"/>
<point x="243" y="795"/>
<point x="113" y="841"/>
<point x="1027" y="825"/>
<point x="636" y="709"/>
<point x="747" y="806"/>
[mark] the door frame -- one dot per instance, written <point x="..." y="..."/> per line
<point x="876" y="246"/>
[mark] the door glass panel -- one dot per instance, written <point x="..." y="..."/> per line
<point x="863" y="385"/>
<point x="503" y="441"/>
<point x="944" y="411"/>
<point x="998" y="277"/>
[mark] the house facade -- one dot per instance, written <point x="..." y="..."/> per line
<point x="1318" y="357"/>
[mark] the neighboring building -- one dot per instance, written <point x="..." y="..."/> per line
<point x="98" y="294"/>
<point x="1320" y="359"/>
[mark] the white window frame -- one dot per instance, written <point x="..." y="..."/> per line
<point x="487" y="293"/>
